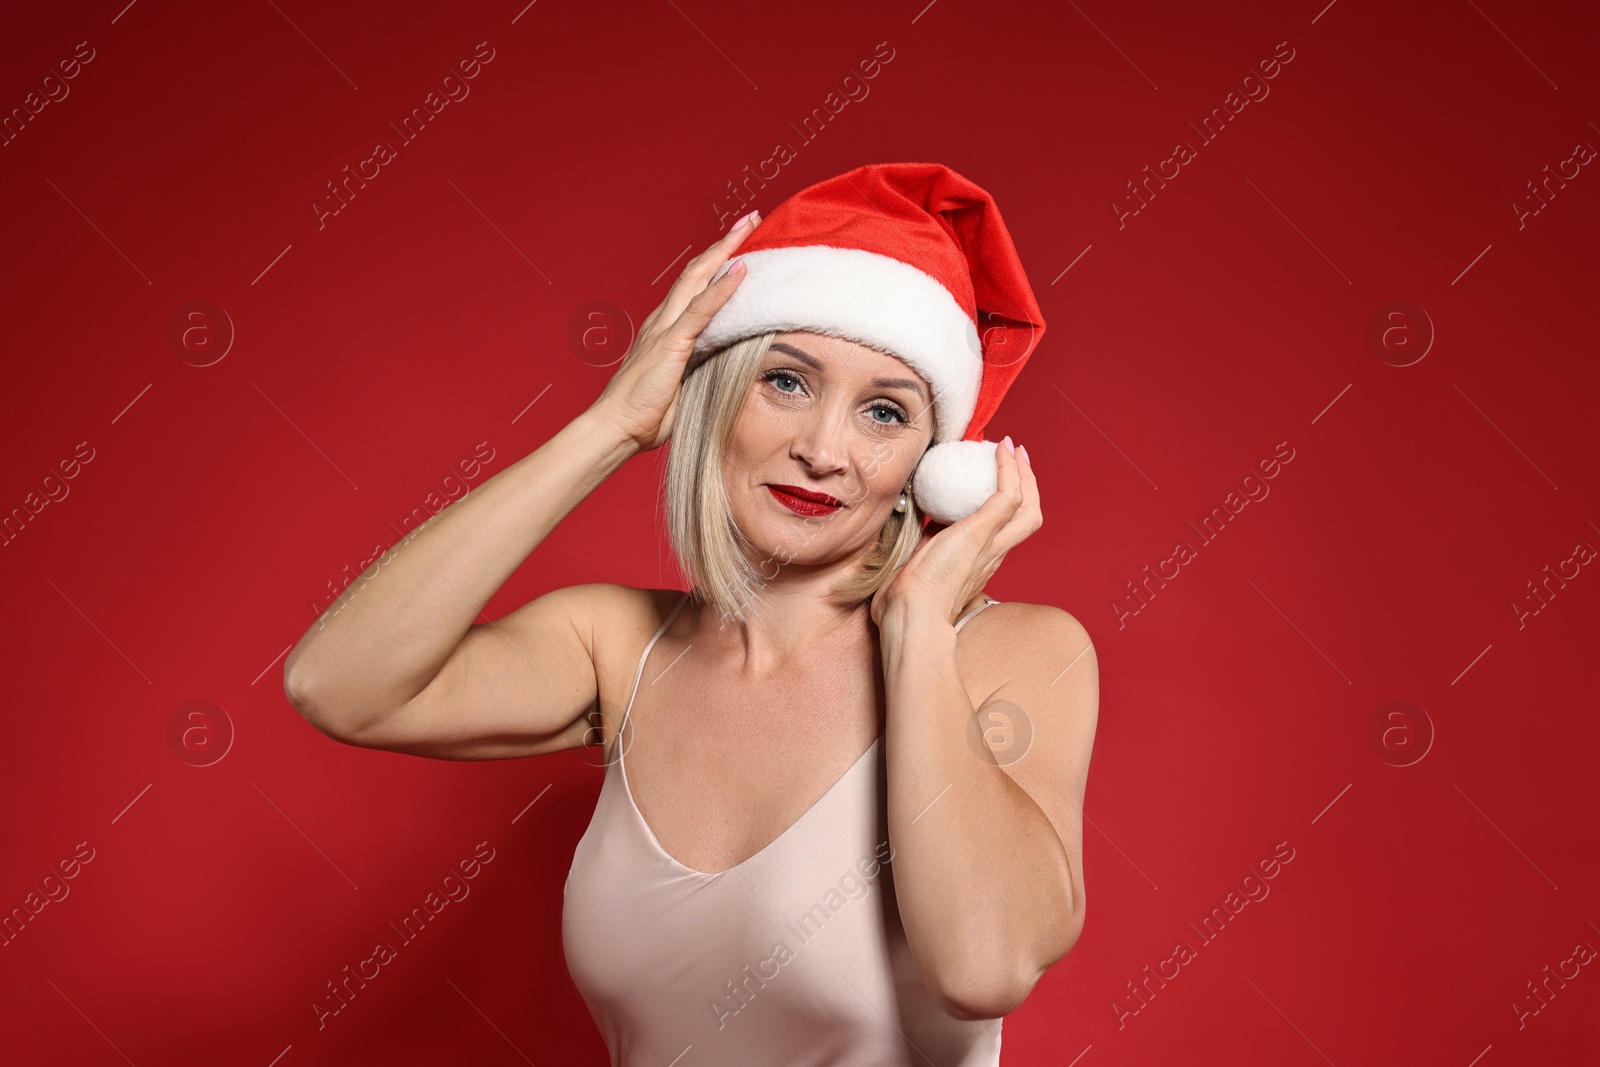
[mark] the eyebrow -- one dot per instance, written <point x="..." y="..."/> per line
<point x="882" y="383"/>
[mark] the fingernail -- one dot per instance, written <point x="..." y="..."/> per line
<point x="737" y="267"/>
<point x="1023" y="452"/>
<point x="744" y="221"/>
<point x="1006" y="440"/>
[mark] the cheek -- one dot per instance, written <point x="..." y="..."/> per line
<point x="888" y="467"/>
<point x="740" y="453"/>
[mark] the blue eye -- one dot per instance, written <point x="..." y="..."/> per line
<point x="898" y="414"/>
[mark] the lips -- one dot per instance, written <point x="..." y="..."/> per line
<point x="804" y="501"/>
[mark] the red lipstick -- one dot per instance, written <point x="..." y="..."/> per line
<point x="804" y="501"/>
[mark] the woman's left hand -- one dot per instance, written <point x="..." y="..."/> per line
<point x="949" y="567"/>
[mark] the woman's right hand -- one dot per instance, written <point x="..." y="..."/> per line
<point x="642" y="397"/>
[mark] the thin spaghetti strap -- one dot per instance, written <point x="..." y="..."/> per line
<point x="639" y="671"/>
<point x="987" y="603"/>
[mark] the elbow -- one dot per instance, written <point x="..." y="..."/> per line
<point x="294" y="690"/>
<point x="1065" y="940"/>
<point x="1067" y="936"/>
<point x="975" y="997"/>
<point x="982" y="993"/>
<point x="976" y="1000"/>
<point x="303" y="699"/>
<point x="298" y="695"/>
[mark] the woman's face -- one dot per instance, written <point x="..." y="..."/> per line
<point x="833" y="417"/>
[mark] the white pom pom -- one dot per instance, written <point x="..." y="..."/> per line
<point x="955" y="478"/>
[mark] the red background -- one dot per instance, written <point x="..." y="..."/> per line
<point x="432" y="313"/>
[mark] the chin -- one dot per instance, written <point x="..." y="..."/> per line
<point x="794" y="550"/>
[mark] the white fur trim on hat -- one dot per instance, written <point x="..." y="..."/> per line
<point x="864" y="297"/>
<point x="955" y="478"/>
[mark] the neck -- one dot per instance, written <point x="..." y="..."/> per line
<point x="793" y="622"/>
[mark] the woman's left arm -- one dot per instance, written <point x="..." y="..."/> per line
<point x="985" y="805"/>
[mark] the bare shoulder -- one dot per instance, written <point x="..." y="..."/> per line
<point x="623" y="619"/>
<point x="1015" y="618"/>
<point x="1013" y="637"/>
<point x="616" y="610"/>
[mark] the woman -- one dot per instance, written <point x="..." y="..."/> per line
<point x="809" y="848"/>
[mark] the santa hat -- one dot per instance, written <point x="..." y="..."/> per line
<point x="911" y="259"/>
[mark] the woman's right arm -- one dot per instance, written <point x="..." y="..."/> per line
<point x="396" y="662"/>
<point x="362" y="673"/>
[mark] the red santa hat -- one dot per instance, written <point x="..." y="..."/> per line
<point x="911" y="259"/>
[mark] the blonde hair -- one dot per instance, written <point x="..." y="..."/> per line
<point x="700" y="525"/>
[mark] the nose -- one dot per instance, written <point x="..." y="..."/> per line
<point x="821" y="441"/>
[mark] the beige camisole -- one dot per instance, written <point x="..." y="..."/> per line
<point x="794" y="957"/>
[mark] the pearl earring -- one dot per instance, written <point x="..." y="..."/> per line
<point x="903" y="503"/>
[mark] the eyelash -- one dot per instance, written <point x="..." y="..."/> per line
<point x="894" y="409"/>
